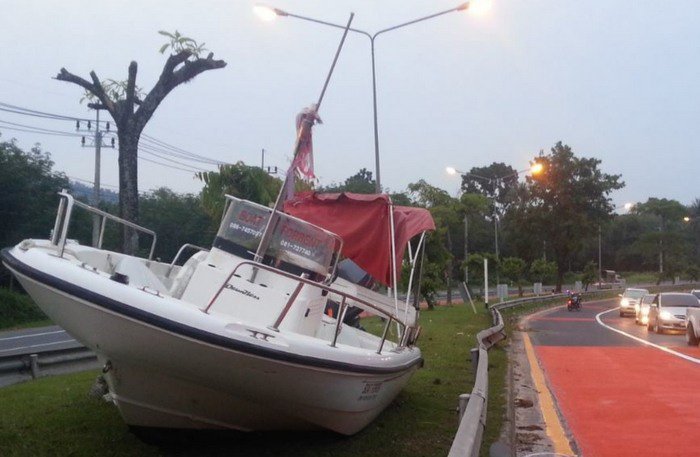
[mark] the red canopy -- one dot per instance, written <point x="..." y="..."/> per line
<point x="363" y="222"/>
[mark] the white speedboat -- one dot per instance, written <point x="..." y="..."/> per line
<point x="235" y="340"/>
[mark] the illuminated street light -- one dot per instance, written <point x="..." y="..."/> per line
<point x="268" y="13"/>
<point x="535" y="169"/>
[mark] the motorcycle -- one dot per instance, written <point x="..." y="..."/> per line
<point x="574" y="303"/>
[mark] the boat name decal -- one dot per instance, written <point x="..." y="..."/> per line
<point x="242" y="291"/>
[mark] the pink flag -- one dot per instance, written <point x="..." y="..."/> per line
<point x="303" y="164"/>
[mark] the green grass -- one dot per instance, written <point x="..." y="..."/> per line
<point x="636" y="277"/>
<point x="54" y="416"/>
<point x="18" y="310"/>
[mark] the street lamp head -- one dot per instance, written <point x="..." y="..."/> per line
<point x="463" y="6"/>
<point x="479" y="7"/>
<point x="629" y="206"/>
<point x="267" y="13"/>
<point x="451" y="170"/>
<point x="536" y="168"/>
<point x="686" y="219"/>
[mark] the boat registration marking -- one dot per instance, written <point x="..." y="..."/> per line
<point x="370" y="391"/>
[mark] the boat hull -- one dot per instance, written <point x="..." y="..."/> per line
<point x="161" y="375"/>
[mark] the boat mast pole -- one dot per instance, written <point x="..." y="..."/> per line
<point x="306" y="123"/>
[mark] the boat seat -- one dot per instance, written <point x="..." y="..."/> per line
<point x="139" y="274"/>
<point x="185" y="274"/>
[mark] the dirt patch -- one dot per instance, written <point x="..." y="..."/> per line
<point x="525" y="430"/>
<point x="529" y="427"/>
<point x="523" y="403"/>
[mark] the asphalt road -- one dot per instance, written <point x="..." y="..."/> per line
<point x="35" y="341"/>
<point x="621" y="390"/>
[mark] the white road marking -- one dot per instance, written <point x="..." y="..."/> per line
<point x="36" y="346"/>
<point x="643" y="341"/>
<point x="31" y="335"/>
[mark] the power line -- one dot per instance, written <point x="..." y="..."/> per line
<point x="33" y="129"/>
<point x="92" y="182"/>
<point x="147" y="143"/>
<point x="163" y="147"/>
<point x="146" y="151"/>
<point x="30" y="112"/>
<point x="169" y="166"/>
<point x="184" y="152"/>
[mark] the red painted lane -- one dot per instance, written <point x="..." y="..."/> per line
<point x="626" y="401"/>
<point x="693" y="351"/>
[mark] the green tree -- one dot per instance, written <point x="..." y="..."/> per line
<point x="693" y="272"/>
<point x="513" y="268"/>
<point x="667" y="240"/>
<point x="28" y="188"/>
<point x="496" y="181"/>
<point x="566" y="204"/>
<point x="131" y="112"/>
<point x="590" y="273"/>
<point x="177" y="219"/>
<point x="475" y="267"/>
<point x="239" y="180"/>
<point x="543" y="271"/>
<point x="359" y="183"/>
<point x="438" y="262"/>
<point x="28" y="199"/>
<point x="429" y="196"/>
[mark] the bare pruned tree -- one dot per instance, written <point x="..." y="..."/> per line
<point x="131" y="113"/>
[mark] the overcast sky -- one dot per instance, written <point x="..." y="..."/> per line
<point x="616" y="80"/>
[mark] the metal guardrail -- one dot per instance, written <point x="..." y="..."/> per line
<point x="41" y="363"/>
<point x="472" y="407"/>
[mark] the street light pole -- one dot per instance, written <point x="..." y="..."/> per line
<point x="535" y="168"/>
<point x="272" y="12"/>
<point x="627" y="207"/>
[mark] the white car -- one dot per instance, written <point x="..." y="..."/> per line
<point x="641" y="316"/>
<point x="696" y="292"/>
<point x="668" y="311"/>
<point x="629" y="299"/>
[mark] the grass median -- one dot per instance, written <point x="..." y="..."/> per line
<point x="55" y="416"/>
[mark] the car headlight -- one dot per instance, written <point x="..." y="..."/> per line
<point x="645" y="311"/>
<point x="624" y="302"/>
<point x="665" y="315"/>
<point x="636" y="307"/>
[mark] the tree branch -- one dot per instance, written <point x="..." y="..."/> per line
<point x="128" y="108"/>
<point x="170" y="79"/>
<point x="171" y="64"/>
<point x="94" y="88"/>
<point x="65" y="75"/>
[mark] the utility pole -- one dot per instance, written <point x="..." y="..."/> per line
<point x="495" y="237"/>
<point x="263" y="159"/>
<point x="97" y="143"/>
<point x="466" y="250"/>
<point x="600" y="255"/>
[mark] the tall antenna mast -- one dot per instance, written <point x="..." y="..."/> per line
<point x="274" y="217"/>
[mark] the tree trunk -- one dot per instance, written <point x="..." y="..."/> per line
<point x="561" y="264"/>
<point x="128" y="187"/>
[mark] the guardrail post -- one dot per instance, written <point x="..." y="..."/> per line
<point x="475" y="358"/>
<point x="463" y="401"/>
<point x="34" y="365"/>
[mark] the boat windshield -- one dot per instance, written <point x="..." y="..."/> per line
<point x="295" y="243"/>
